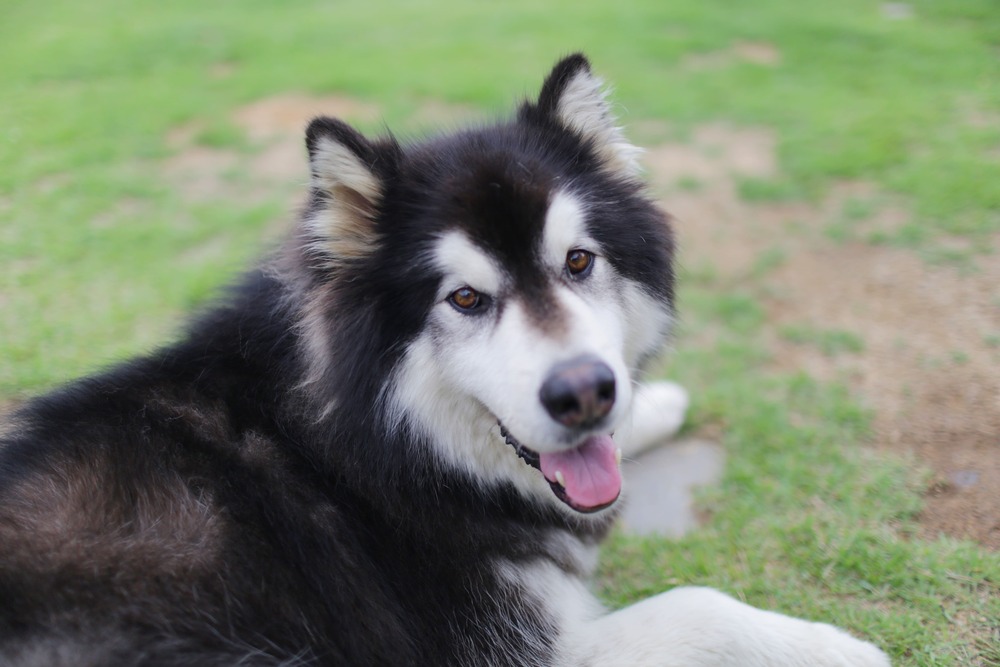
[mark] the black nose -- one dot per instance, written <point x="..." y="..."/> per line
<point x="578" y="393"/>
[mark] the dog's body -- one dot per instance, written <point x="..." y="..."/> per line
<point x="390" y="445"/>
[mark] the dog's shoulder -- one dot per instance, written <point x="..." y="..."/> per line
<point x="123" y="499"/>
<point x="90" y="483"/>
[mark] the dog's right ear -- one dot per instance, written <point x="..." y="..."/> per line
<point x="347" y="189"/>
<point x="575" y="98"/>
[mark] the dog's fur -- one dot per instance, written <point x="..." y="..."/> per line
<point x="344" y="462"/>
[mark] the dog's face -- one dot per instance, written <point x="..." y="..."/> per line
<point x="531" y="274"/>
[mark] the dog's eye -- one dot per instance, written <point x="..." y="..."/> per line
<point x="465" y="299"/>
<point x="579" y="263"/>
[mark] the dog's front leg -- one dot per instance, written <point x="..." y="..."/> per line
<point x="701" y="627"/>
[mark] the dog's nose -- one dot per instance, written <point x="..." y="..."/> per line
<point x="578" y="393"/>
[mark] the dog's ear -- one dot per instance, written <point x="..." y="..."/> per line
<point x="347" y="189"/>
<point x="577" y="99"/>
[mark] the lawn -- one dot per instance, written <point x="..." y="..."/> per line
<point x="106" y="238"/>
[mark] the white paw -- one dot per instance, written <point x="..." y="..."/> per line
<point x="836" y="648"/>
<point x="658" y="411"/>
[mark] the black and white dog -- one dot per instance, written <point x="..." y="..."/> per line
<point x="393" y="443"/>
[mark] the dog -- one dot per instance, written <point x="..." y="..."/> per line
<point x="396" y="441"/>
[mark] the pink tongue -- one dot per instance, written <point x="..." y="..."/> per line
<point x="590" y="473"/>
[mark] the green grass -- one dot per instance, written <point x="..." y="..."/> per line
<point x="769" y="190"/>
<point x="100" y="257"/>
<point x="766" y="260"/>
<point x="689" y="184"/>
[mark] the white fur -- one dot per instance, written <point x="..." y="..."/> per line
<point x="646" y="324"/>
<point x="701" y="627"/>
<point x="684" y="627"/>
<point x="658" y="410"/>
<point x="464" y="264"/>
<point x="565" y="229"/>
<point x="465" y="433"/>
<point x="336" y="165"/>
<point x="456" y="387"/>
<point x="520" y="358"/>
<point x="583" y="107"/>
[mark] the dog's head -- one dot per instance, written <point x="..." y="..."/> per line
<point x="502" y="285"/>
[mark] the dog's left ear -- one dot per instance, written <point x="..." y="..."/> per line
<point x="349" y="175"/>
<point x="577" y="99"/>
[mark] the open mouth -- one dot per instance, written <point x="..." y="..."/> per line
<point x="586" y="477"/>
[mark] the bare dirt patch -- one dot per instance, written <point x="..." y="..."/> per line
<point x="288" y="114"/>
<point x="277" y="126"/>
<point x="201" y="173"/>
<point x="927" y="357"/>
<point x="275" y="129"/>
<point x="758" y="53"/>
<point x="927" y="366"/>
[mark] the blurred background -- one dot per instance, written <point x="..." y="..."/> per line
<point x="834" y="174"/>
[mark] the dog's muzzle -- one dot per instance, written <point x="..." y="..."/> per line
<point x="578" y="394"/>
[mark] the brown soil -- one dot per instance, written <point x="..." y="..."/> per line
<point x="758" y="53"/>
<point x="275" y="126"/>
<point x="929" y="367"/>
<point x="929" y="364"/>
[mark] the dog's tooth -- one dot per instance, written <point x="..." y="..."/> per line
<point x="618" y="456"/>
<point x="560" y="479"/>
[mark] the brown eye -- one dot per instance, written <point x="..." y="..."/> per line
<point x="465" y="299"/>
<point x="579" y="262"/>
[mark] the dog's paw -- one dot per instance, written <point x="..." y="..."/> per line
<point x="833" y="647"/>
<point x="658" y="411"/>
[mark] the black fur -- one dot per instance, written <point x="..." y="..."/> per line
<point x="205" y="504"/>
